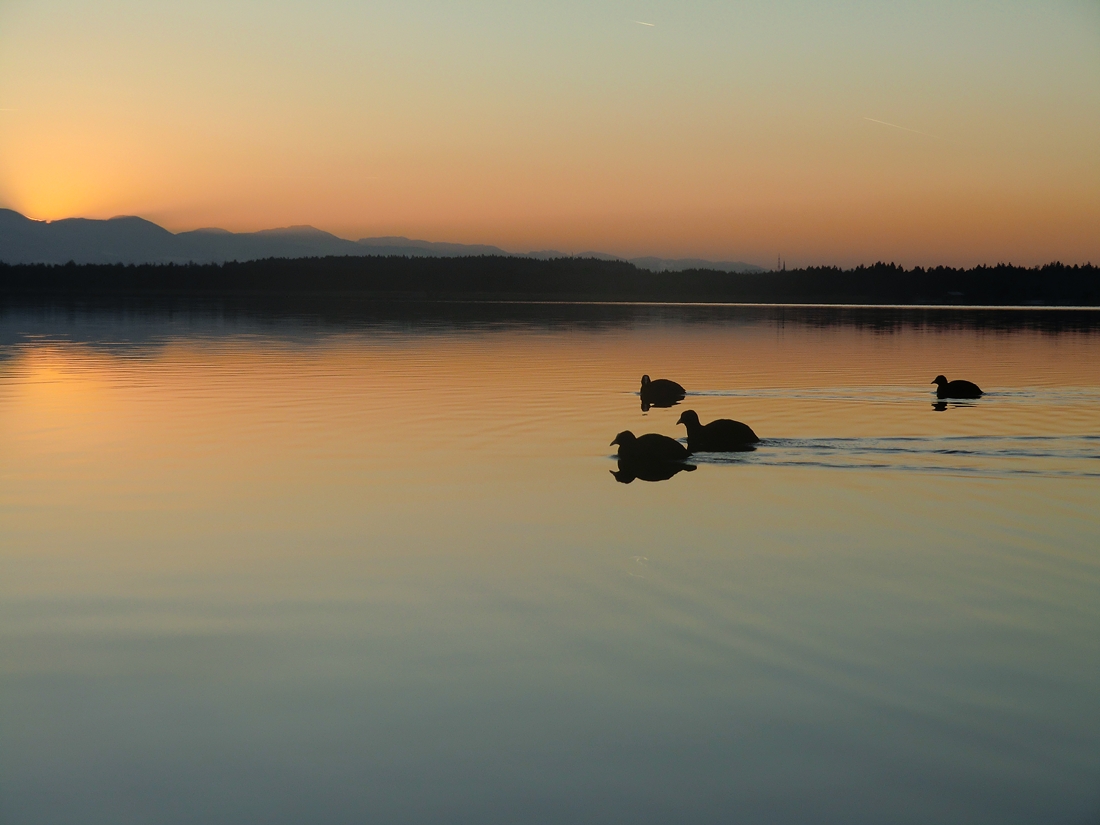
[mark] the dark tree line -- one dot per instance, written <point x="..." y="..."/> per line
<point x="508" y="278"/>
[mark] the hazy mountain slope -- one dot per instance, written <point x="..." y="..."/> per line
<point x="414" y="248"/>
<point x="119" y="240"/>
<point x="654" y="264"/>
<point x="20" y="240"/>
<point x="218" y="246"/>
<point x="131" y="240"/>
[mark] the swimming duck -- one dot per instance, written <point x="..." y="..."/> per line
<point x="660" y="393"/>
<point x="956" y="389"/>
<point x="720" y="436"/>
<point x="650" y="448"/>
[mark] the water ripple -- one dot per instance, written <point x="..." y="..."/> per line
<point x="993" y="456"/>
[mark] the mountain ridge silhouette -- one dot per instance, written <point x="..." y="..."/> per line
<point x="128" y="239"/>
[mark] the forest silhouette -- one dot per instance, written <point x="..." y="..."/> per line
<point x="562" y="279"/>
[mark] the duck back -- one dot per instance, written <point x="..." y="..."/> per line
<point x="722" y="435"/>
<point x="652" y="448"/>
<point x="959" y="389"/>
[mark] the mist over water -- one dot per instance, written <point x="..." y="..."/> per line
<point x="333" y="570"/>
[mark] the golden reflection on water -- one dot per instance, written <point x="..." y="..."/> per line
<point x="354" y="437"/>
<point x="411" y="535"/>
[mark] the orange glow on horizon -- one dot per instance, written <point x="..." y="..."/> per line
<point x="675" y="141"/>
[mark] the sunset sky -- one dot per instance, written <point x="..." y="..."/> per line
<point x="938" y="131"/>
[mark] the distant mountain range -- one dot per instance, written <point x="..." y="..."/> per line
<point x="130" y="240"/>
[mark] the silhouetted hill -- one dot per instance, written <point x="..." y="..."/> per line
<point x="413" y="248"/>
<point x="335" y="279"/>
<point x="136" y="241"/>
<point x="219" y="246"/>
<point x="125" y="240"/>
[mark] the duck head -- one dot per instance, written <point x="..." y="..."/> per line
<point x="939" y="380"/>
<point x="624" y="439"/>
<point x="645" y="381"/>
<point x="689" y="418"/>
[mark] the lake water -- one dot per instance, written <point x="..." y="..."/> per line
<point x="318" y="570"/>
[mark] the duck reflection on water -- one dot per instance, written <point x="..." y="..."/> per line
<point x="630" y="470"/>
<point x="940" y="406"/>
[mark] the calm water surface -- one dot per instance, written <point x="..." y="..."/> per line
<point x="289" y="571"/>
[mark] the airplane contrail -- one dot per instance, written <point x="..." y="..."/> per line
<point x="903" y="128"/>
<point x="643" y="23"/>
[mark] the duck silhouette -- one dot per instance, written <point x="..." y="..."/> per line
<point x="660" y="393"/>
<point x="720" y="436"/>
<point x="956" y="389"/>
<point x="651" y="448"/>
